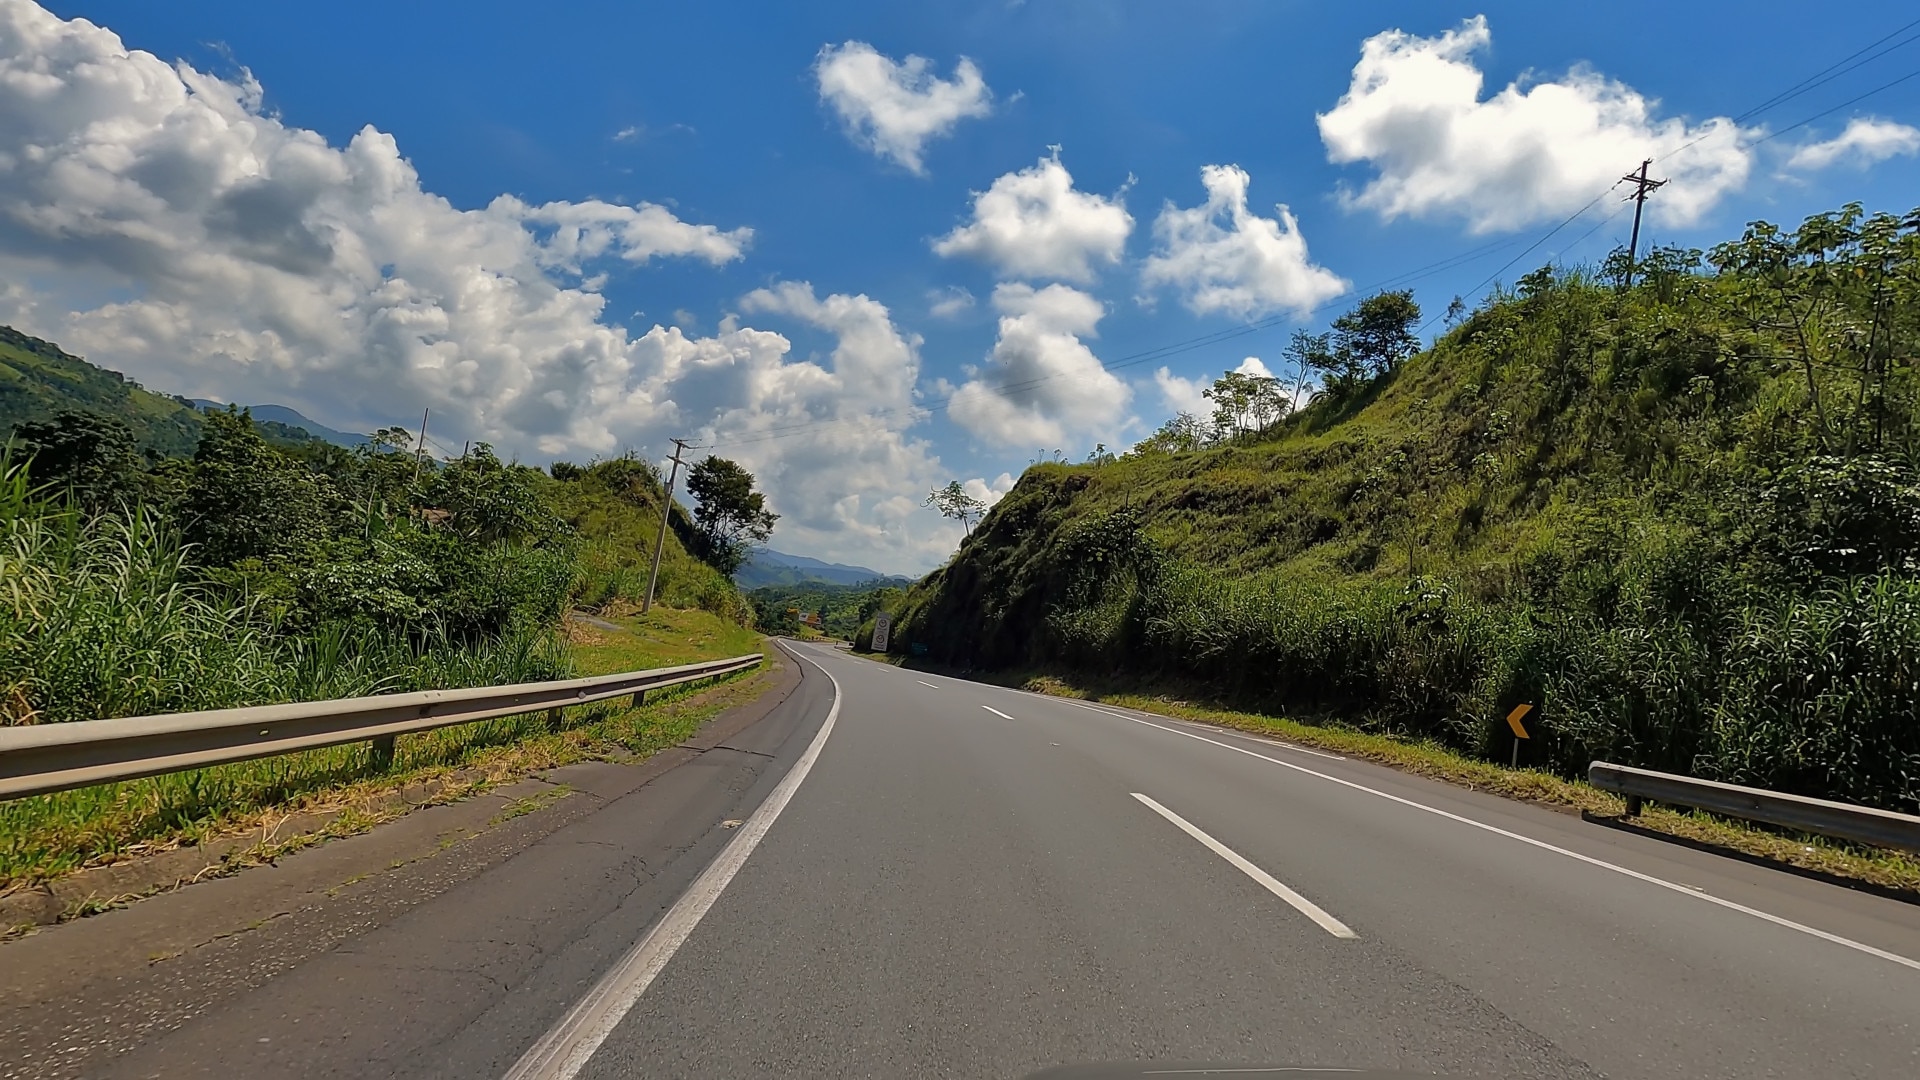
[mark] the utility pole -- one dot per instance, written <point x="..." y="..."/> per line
<point x="419" y="452"/>
<point x="666" y="507"/>
<point x="1642" y="187"/>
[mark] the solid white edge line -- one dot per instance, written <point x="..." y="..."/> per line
<point x="1272" y="884"/>
<point x="1229" y="734"/>
<point x="1683" y="890"/>
<point x="996" y="712"/>
<point x="565" y="1049"/>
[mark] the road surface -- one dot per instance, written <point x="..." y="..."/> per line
<point x="970" y="881"/>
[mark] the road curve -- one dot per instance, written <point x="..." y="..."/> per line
<point x="970" y="881"/>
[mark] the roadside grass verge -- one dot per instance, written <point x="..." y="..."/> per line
<point x="1886" y="870"/>
<point x="47" y="836"/>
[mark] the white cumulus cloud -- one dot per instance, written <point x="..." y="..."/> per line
<point x="1866" y="141"/>
<point x="893" y="108"/>
<point x="153" y="219"/>
<point x="584" y="231"/>
<point x="1042" y="385"/>
<point x="1183" y="395"/>
<point x="1534" y="151"/>
<point x="989" y="492"/>
<point x="1247" y="267"/>
<point x="1033" y="224"/>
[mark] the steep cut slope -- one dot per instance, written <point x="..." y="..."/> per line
<point x="1682" y="519"/>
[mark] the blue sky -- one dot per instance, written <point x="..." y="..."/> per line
<point x="304" y="204"/>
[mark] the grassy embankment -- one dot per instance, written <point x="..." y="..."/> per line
<point x="1681" y="520"/>
<point x="51" y="835"/>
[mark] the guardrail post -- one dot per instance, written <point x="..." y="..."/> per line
<point x="639" y="698"/>
<point x="1633" y="806"/>
<point x="556" y="718"/>
<point x="380" y="753"/>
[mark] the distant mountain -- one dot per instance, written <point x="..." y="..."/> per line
<point x="770" y="567"/>
<point x="282" y="414"/>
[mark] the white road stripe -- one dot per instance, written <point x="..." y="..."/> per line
<point x="1231" y="734"/>
<point x="996" y="712"/>
<point x="1683" y="890"/>
<point x="926" y="684"/>
<point x="565" y="1050"/>
<point x="1300" y="903"/>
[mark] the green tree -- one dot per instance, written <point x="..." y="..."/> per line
<point x="491" y="502"/>
<point x="246" y="500"/>
<point x="1245" y="402"/>
<point x="1309" y="352"/>
<point x="89" y="456"/>
<point x="1181" y="434"/>
<point x="732" y="517"/>
<point x="1378" y="333"/>
<point x="953" y="501"/>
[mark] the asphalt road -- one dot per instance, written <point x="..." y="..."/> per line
<point x="969" y="881"/>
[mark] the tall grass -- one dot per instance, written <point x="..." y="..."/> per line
<point x="104" y="616"/>
<point x="1812" y="694"/>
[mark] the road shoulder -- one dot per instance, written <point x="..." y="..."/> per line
<point x="107" y="982"/>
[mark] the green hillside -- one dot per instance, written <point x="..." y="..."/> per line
<point x="1681" y="518"/>
<point x="39" y="380"/>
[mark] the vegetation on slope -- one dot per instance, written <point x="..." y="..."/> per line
<point x="840" y="608"/>
<point x="253" y="574"/>
<point x="1680" y="517"/>
<point x="39" y="380"/>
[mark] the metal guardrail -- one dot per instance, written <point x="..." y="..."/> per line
<point x="1860" y="824"/>
<point x="54" y="757"/>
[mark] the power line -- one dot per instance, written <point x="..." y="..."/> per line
<point x="1915" y="73"/>
<point x="1484" y="282"/>
<point x="1817" y="79"/>
<point x="1831" y="72"/>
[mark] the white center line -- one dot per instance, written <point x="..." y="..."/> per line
<point x="1663" y="883"/>
<point x="1300" y="903"/>
<point x="926" y="684"/>
<point x="996" y="712"/>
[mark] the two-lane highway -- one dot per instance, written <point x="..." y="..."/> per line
<point x="949" y="879"/>
<point x="979" y="882"/>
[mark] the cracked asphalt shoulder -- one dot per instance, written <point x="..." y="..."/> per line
<point x="450" y="909"/>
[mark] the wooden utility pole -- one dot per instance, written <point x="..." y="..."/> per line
<point x="1642" y="187"/>
<point x="666" y="507"/>
<point x="419" y="452"/>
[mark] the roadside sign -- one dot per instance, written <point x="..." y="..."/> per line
<point x="1513" y="720"/>
<point x="882" y="626"/>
